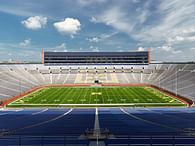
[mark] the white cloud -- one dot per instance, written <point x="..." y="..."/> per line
<point x="116" y="18"/>
<point x="25" y="43"/>
<point x="161" y="48"/>
<point x="141" y="49"/>
<point x="176" y="51"/>
<point x="175" y="17"/>
<point x="143" y="16"/>
<point x="94" y="39"/>
<point x="89" y="2"/>
<point x="192" y="48"/>
<point x="168" y="24"/>
<point x="120" y="50"/>
<point x="166" y="48"/>
<point x="69" y="26"/>
<point x="184" y="38"/>
<point x="122" y="19"/>
<point x="107" y="35"/>
<point x="191" y="38"/>
<point x="189" y="30"/>
<point x="180" y="39"/>
<point x="142" y="13"/>
<point x="9" y="54"/>
<point x="36" y="22"/>
<point x="61" y="50"/>
<point x="93" y="20"/>
<point x="62" y="46"/>
<point x="135" y="1"/>
<point x="96" y="49"/>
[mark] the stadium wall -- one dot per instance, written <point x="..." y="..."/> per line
<point x="178" y="96"/>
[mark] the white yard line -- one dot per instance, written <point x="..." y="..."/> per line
<point x="60" y="96"/>
<point x="102" y="97"/>
<point x="90" y="96"/>
<point x="78" y="97"/>
<point x="85" y="94"/>
<point x="113" y="95"/>
<point x="115" y="90"/>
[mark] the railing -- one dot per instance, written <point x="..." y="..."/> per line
<point x="151" y="141"/>
<point x="43" y="141"/>
<point x="84" y="141"/>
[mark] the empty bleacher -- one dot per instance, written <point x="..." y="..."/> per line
<point x="18" y="78"/>
<point x="121" y="126"/>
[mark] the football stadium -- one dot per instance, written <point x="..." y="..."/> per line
<point x="97" y="98"/>
<point x="97" y="72"/>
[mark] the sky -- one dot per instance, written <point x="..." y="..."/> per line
<point x="164" y="27"/>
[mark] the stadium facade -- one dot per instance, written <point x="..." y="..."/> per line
<point x="141" y="57"/>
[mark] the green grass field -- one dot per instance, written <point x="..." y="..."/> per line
<point x="96" y="96"/>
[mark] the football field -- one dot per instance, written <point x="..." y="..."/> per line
<point x="96" y="96"/>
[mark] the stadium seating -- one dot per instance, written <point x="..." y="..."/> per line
<point x="138" y="126"/>
<point x="179" y="78"/>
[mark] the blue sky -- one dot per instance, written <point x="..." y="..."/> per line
<point x="165" y="27"/>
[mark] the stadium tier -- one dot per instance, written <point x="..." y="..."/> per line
<point x="18" y="78"/>
<point x="141" y="57"/>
